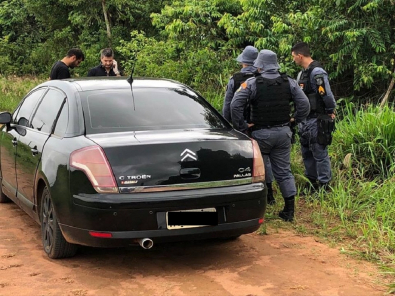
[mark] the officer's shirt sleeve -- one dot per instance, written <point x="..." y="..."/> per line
<point x="228" y="99"/>
<point x="243" y="95"/>
<point x="320" y="83"/>
<point x="301" y="101"/>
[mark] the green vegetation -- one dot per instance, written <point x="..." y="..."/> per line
<point x="13" y="89"/>
<point x="196" y="42"/>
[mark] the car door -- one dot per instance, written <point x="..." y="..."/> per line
<point x="9" y="141"/>
<point x="31" y="144"/>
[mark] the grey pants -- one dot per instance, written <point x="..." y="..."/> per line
<point x="315" y="156"/>
<point x="268" y="169"/>
<point x="275" y="142"/>
<point x="316" y="162"/>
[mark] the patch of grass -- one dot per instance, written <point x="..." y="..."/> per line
<point x="13" y="90"/>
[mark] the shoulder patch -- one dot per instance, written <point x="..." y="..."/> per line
<point x="321" y="90"/>
<point x="242" y="86"/>
<point x="319" y="79"/>
<point x="320" y="82"/>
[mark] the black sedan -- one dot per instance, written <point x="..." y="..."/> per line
<point x="106" y="163"/>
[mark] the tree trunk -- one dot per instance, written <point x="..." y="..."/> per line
<point x="109" y="37"/>
<point x="385" y="99"/>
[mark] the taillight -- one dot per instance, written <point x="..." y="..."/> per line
<point x="93" y="162"/>
<point x="258" y="171"/>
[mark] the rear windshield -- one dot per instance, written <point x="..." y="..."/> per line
<point x="107" y="111"/>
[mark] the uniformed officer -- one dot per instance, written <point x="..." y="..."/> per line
<point x="246" y="59"/>
<point x="270" y="95"/>
<point x="316" y="132"/>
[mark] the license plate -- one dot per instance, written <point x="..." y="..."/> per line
<point x="191" y="218"/>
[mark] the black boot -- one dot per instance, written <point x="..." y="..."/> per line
<point x="312" y="185"/>
<point x="270" y="197"/>
<point x="289" y="208"/>
<point x="324" y="186"/>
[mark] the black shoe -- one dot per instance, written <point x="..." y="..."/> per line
<point x="324" y="186"/>
<point x="270" y="198"/>
<point x="287" y="214"/>
<point x="312" y="185"/>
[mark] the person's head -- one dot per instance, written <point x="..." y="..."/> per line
<point x="107" y="58"/>
<point x="248" y="56"/>
<point x="266" y="61"/>
<point x="74" y="57"/>
<point x="301" y="54"/>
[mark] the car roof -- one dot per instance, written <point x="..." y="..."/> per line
<point x="98" y="83"/>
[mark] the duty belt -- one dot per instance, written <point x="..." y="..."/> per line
<point x="256" y="127"/>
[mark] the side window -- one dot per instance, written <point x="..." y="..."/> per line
<point x="23" y="113"/>
<point x="47" y="111"/>
<point x="63" y="120"/>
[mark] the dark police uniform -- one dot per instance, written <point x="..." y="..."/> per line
<point x="233" y="85"/>
<point x="316" y="131"/>
<point x="269" y="96"/>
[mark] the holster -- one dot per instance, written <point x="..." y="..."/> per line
<point x="325" y="128"/>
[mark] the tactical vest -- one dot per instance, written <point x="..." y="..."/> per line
<point x="317" y="105"/>
<point x="271" y="106"/>
<point x="240" y="77"/>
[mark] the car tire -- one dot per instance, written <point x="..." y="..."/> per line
<point x="55" y="245"/>
<point x="3" y="197"/>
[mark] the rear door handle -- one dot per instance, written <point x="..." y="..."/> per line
<point x="14" y="142"/>
<point x="34" y="150"/>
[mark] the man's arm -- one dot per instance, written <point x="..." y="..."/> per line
<point x="320" y="83"/>
<point x="302" y="105"/>
<point x="227" y="100"/>
<point x="115" y="68"/>
<point x="242" y="96"/>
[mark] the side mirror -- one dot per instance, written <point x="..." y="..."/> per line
<point x="5" y="118"/>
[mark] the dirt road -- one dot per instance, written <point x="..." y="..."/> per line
<point x="276" y="264"/>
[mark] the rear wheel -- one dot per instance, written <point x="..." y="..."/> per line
<point x="54" y="242"/>
<point x="3" y="197"/>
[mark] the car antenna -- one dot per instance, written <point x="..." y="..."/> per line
<point x="130" y="81"/>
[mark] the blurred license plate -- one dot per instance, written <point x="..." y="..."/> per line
<point x="191" y="218"/>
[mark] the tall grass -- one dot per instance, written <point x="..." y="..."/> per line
<point x="369" y="135"/>
<point x="363" y="189"/>
<point x="13" y="89"/>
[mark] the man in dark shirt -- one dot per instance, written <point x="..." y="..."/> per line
<point x="60" y="70"/>
<point x="108" y="66"/>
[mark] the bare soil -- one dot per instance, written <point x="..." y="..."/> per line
<point x="280" y="263"/>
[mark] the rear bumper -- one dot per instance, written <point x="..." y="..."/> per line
<point x="128" y="217"/>
<point x="127" y="238"/>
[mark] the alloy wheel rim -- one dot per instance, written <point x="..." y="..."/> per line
<point x="48" y="223"/>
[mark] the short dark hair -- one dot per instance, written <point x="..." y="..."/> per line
<point x="301" y="48"/>
<point x="107" y="52"/>
<point x="79" y="55"/>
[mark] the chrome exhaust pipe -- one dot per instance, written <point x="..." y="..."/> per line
<point x="146" y="243"/>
